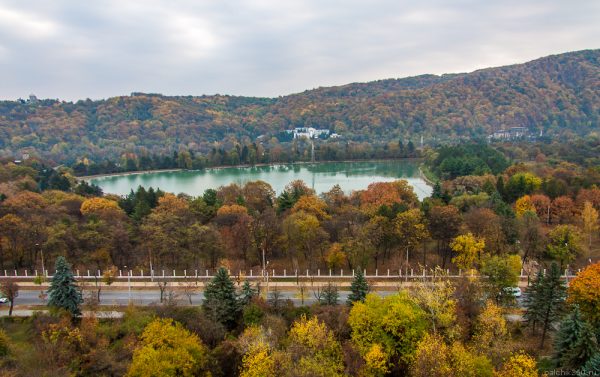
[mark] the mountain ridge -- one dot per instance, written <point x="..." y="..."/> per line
<point x="559" y="94"/>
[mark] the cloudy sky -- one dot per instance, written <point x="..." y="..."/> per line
<point x="72" y="49"/>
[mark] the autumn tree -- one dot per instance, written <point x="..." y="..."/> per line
<point x="166" y="348"/>
<point x="519" y="364"/>
<point x="502" y="272"/>
<point x="433" y="357"/>
<point x="565" y="244"/>
<point x="395" y="322"/>
<point x="302" y="234"/>
<point x="436" y="297"/>
<point x="313" y="349"/>
<point x="444" y="224"/>
<point x="468" y="249"/>
<point x="563" y="210"/>
<point x="410" y="229"/>
<point x="490" y="330"/>
<point x="589" y="220"/>
<point x="584" y="291"/>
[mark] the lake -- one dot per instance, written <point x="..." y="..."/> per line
<point x="320" y="176"/>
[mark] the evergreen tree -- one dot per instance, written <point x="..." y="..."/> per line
<point x="330" y="295"/>
<point x="247" y="293"/>
<point x="592" y="367"/>
<point x="575" y="343"/>
<point x="550" y="303"/>
<point x="437" y="190"/>
<point x="64" y="292"/>
<point x="531" y="302"/>
<point x="359" y="288"/>
<point x="220" y="300"/>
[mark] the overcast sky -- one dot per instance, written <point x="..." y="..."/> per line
<point x="73" y="50"/>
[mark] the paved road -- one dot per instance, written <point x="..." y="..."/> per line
<point x="150" y="297"/>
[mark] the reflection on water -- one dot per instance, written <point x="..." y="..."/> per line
<point x="321" y="176"/>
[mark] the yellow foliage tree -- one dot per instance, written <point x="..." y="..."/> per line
<point x="312" y="205"/>
<point x="99" y="205"/>
<point x="589" y="219"/>
<point x="490" y="329"/>
<point x="469" y="248"/>
<point x="335" y="256"/>
<point x="524" y="204"/>
<point x="376" y="361"/>
<point x="314" y="349"/>
<point x="518" y="365"/>
<point x="168" y="349"/>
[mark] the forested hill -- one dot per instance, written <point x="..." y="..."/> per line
<point x="559" y="94"/>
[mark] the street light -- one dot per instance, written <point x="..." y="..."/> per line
<point x="128" y="284"/>
<point x="37" y="245"/>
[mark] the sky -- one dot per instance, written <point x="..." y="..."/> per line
<point x="73" y="49"/>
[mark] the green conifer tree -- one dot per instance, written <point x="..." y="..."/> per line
<point x="592" y="367"/>
<point x="246" y="294"/>
<point x="575" y="344"/>
<point x="330" y="295"/>
<point x="359" y="288"/>
<point x="552" y="294"/>
<point x="64" y="292"/>
<point x="531" y="302"/>
<point x="220" y="299"/>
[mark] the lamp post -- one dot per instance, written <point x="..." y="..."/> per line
<point x="37" y="245"/>
<point x="128" y="284"/>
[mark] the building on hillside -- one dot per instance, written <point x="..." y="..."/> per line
<point x="509" y="134"/>
<point x="310" y="133"/>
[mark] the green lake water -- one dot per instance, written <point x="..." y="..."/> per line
<point x="320" y="176"/>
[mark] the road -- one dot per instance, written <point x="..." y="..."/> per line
<point x="152" y="296"/>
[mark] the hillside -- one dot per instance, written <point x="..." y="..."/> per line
<point x="559" y="94"/>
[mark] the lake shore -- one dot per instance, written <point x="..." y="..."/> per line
<point x="89" y="177"/>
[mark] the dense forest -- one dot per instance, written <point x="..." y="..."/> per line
<point x="557" y="95"/>
<point x="520" y="206"/>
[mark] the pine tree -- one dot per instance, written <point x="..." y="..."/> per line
<point x="574" y="346"/>
<point x="64" y="292"/>
<point x="359" y="288"/>
<point x="532" y="302"/>
<point x="552" y="294"/>
<point x="220" y="300"/>
<point x="246" y="294"/>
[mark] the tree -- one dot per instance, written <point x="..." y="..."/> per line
<point x="247" y="293"/>
<point x="589" y="219"/>
<point x="220" y="301"/>
<point x="565" y="244"/>
<point x="524" y="204"/>
<point x="166" y="348"/>
<point x="329" y="295"/>
<point x="584" y="291"/>
<point x="395" y="322"/>
<point x="10" y="290"/>
<point x="313" y="349"/>
<point x="592" y="367"/>
<point x="64" y="292"/>
<point x="468" y="249"/>
<point x="410" y="229"/>
<point x="575" y="342"/>
<point x="502" y="272"/>
<point x="518" y="365"/>
<point x="433" y="357"/>
<point x="490" y="329"/>
<point x="444" y="224"/>
<point x="359" y="288"/>
<point x="436" y="298"/>
<point x="545" y="303"/>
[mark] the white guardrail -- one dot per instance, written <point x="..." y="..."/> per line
<point x="255" y="274"/>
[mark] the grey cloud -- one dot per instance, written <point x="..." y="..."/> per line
<point x="71" y="49"/>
